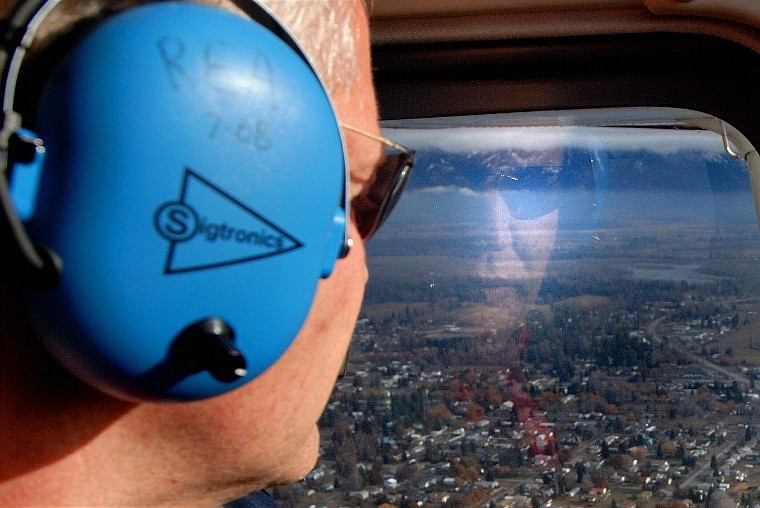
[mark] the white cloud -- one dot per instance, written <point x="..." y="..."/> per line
<point x="471" y="139"/>
<point x="443" y="189"/>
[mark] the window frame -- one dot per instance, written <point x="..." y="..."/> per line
<point x="679" y="70"/>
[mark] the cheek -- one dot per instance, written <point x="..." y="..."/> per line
<point x="336" y="305"/>
<point x="306" y="375"/>
<point x="301" y="382"/>
<point x="318" y="352"/>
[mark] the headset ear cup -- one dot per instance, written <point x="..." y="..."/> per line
<point x="195" y="173"/>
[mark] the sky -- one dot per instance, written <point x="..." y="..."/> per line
<point x="456" y="164"/>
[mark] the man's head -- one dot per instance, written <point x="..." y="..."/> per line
<point x="259" y="434"/>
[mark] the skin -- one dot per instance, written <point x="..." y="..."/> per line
<point x="64" y="443"/>
<point x="525" y="247"/>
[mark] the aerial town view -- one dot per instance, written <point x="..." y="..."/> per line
<point x="591" y="338"/>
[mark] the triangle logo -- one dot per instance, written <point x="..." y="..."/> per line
<point x="208" y="228"/>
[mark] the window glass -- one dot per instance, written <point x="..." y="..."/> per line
<point x="563" y="307"/>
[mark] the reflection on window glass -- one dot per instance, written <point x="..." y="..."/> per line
<point x="555" y="315"/>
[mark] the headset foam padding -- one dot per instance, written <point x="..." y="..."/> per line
<point x="194" y="169"/>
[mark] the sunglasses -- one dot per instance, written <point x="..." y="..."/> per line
<point x="371" y="208"/>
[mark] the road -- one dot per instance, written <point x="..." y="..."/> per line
<point x="653" y="333"/>
<point x="700" y="470"/>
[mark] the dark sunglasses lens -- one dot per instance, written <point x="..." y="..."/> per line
<point x="372" y="208"/>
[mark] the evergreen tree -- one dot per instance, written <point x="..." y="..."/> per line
<point x="580" y="471"/>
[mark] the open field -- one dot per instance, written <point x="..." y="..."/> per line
<point x="745" y="340"/>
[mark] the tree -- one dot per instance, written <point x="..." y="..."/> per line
<point x="580" y="471"/>
<point x="437" y="417"/>
<point x="605" y="453"/>
<point x="667" y="450"/>
<point x="475" y="411"/>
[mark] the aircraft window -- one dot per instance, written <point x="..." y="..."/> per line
<point x="563" y="307"/>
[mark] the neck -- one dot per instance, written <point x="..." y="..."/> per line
<point x="46" y="415"/>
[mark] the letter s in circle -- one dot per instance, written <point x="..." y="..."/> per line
<point x="176" y="221"/>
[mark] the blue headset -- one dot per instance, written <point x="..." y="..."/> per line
<point x="173" y="198"/>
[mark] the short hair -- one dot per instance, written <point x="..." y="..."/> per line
<point x="325" y="30"/>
